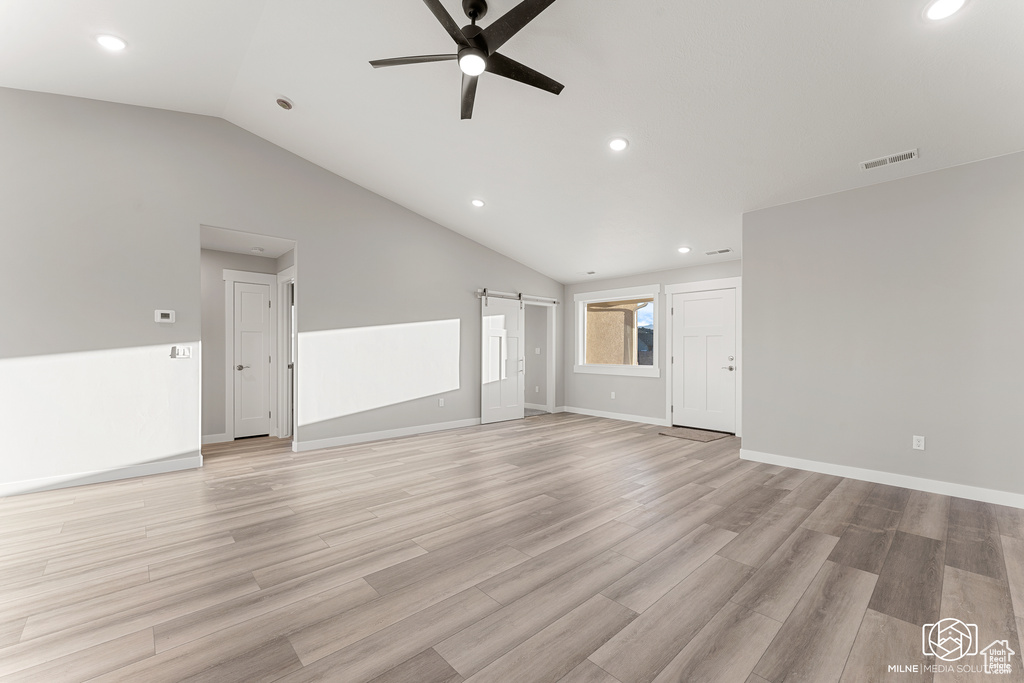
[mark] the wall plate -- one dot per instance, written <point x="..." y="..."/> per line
<point x="163" y="316"/>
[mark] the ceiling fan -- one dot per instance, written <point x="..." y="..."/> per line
<point x="478" y="47"/>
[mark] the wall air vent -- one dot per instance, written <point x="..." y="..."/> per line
<point x="717" y="252"/>
<point x="886" y="161"/>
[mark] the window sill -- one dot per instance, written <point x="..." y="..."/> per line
<point x="626" y="370"/>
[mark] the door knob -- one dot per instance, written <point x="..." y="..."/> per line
<point x="241" y="367"/>
<point x="728" y="367"/>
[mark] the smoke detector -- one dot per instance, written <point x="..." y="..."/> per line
<point x="257" y="250"/>
<point x="889" y="160"/>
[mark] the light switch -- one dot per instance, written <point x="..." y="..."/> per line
<point x="181" y="352"/>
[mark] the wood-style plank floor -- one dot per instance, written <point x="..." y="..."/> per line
<point x="557" y="548"/>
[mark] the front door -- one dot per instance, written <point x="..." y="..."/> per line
<point x="504" y="365"/>
<point x="704" y="367"/>
<point x="252" y="359"/>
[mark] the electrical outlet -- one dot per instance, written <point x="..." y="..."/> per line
<point x="918" y="443"/>
<point x="181" y="352"/>
<point x="537" y="351"/>
<point x="613" y="394"/>
<point x="440" y="403"/>
<point x="536" y="390"/>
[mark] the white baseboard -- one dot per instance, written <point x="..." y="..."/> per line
<point x="558" y="409"/>
<point x="216" y="438"/>
<point x="187" y="461"/>
<point x="334" y="442"/>
<point x="878" y="477"/>
<point x="661" y="422"/>
<point x="537" y="406"/>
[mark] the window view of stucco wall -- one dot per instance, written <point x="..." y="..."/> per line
<point x="614" y="336"/>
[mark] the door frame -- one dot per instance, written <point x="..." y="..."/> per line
<point x="285" y="278"/>
<point x="230" y="278"/>
<point x="551" y="340"/>
<point x="705" y="286"/>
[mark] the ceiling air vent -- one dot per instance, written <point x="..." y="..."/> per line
<point x="716" y="252"/>
<point x="885" y="161"/>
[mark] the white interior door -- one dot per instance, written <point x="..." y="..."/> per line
<point x="504" y="365"/>
<point x="704" y="353"/>
<point x="252" y="344"/>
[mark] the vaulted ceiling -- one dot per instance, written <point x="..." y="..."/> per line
<point x="728" y="106"/>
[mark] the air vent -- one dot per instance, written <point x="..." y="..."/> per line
<point x="717" y="252"/>
<point x="886" y="161"/>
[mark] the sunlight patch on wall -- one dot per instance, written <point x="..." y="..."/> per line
<point x="93" y="411"/>
<point x="343" y="372"/>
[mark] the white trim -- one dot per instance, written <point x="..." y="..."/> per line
<point x="216" y="438"/>
<point x="182" y="462"/>
<point x="537" y="406"/>
<point x="579" y="312"/>
<point x="889" y="478"/>
<point x="615" y="294"/>
<point x="705" y="286"/>
<point x="558" y="409"/>
<point x="626" y="370"/>
<point x="230" y="278"/>
<point x="334" y="442"/>
<point x="284" y="278"/>
<point x="615" y="416"/>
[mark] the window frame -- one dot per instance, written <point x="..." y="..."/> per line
<point x="583" y="298"/>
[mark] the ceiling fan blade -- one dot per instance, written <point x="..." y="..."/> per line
<point x="468" y="95"/>
<point x="421" y="59"/>
<point x="498" y="33"/>
<point x="446" y="20"/>
<point x="500" y="65"/>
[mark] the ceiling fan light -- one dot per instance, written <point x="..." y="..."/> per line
<point x="472" y="62"/>
<point x="940" y="9"/>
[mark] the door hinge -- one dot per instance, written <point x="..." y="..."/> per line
<point x="268" y="414"/>
<point x="673" y="309"/>
<point x="268" y="304"/>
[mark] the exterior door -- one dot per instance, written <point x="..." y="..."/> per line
<point x="704" y="360"/>
<point x="252" y="358"/>
<point x="504" y="365"/>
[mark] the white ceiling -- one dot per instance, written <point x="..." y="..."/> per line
<point x="222" y="239"/>
<point x="729" y="106"/>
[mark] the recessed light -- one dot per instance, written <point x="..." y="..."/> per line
<point x="284" y="103"/>
<point x="112" y="43"/>
<point x="478" y="203"/>
<point x="619" y="144"/>
<point x="684" y="250"/>
<point x="941" y="9"/>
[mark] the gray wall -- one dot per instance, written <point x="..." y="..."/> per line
<point x="636" y="396"/>
<point x="211" y="273"/>
<point x="893" y="310"/>
<point x="104" y="202"/>
<point x="536" y="321"/>
<point x="286" y="260"/>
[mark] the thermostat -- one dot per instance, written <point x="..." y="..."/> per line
<point x="163" y="316"/>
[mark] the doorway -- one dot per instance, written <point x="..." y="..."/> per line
<point x="539" y="351"/>
<point x="517" y="356"/>
<point x="248" y="332"/>
<point x="705" y="348"/>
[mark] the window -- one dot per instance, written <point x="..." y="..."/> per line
<point x="616" y="331"/>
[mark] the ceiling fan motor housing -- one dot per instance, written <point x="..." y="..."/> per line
<point x="474" y="9"/>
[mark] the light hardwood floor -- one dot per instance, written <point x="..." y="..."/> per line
<point x="559" y="548"/>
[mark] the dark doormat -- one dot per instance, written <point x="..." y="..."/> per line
<point x="694" y="434"/>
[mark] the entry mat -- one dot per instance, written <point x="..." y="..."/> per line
<point x="694" y="434"/>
